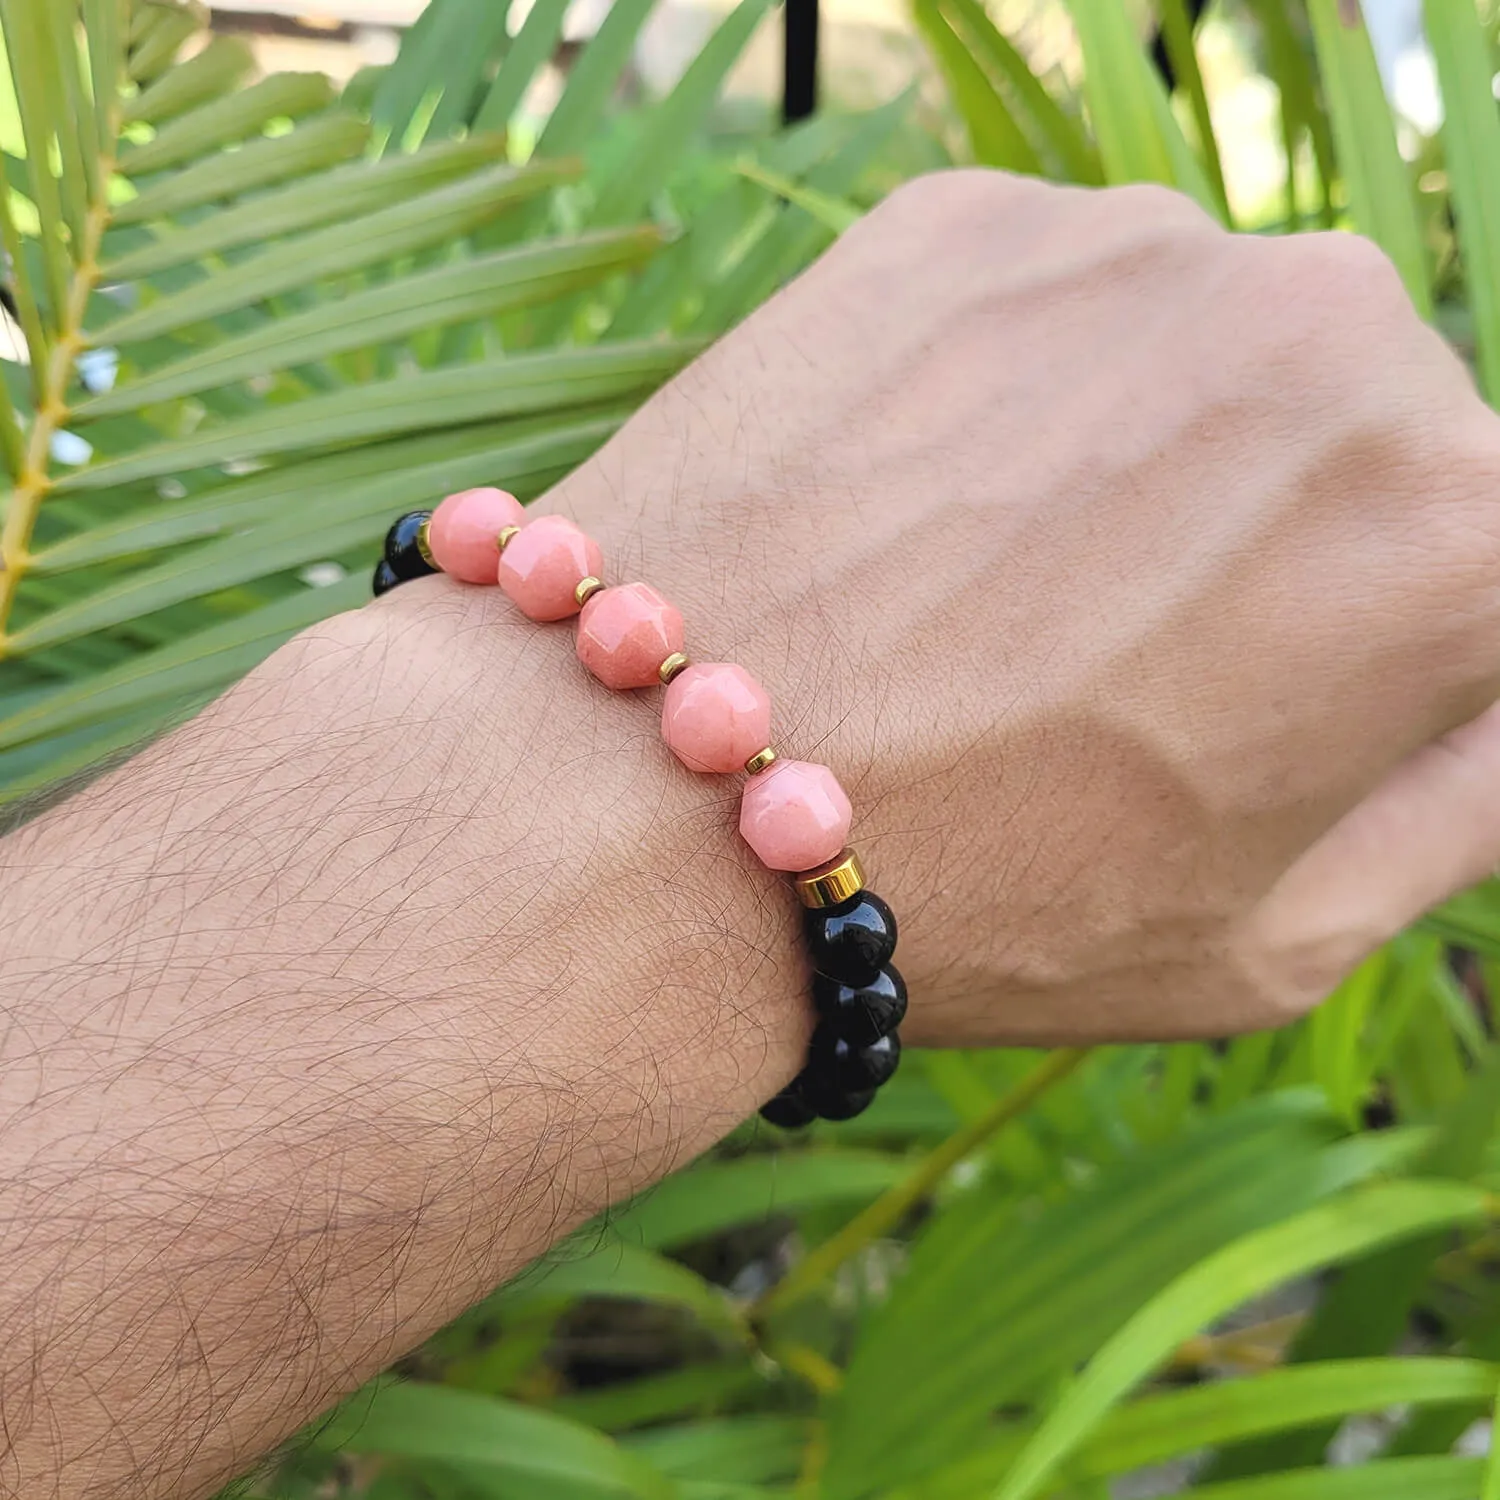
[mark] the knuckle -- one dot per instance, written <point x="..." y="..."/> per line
<point x="1150" y="205"/>
<point x="960" y="193"/>
<point x="1341" y="272"/>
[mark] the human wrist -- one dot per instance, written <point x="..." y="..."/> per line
<point x="572" y="873"/>
<point x="414" y="951"/>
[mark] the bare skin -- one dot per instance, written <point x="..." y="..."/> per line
<point x="1141" y="583"/>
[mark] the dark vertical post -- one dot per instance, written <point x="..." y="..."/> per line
<point x="799" y="96"/>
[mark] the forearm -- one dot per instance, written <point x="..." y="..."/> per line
<point x="333" y="1009"/>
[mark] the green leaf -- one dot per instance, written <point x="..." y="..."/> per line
<point x="519" y="1444"/>
<point x="101" y="25"/>
<point x="533" y="45"/>
<point x="1053" y="130"/>
<point x="835" y="214"/>
<point x="171" y="26"/>
<point x="617" y="1269"/>
<point x="1470" y="919"/>
<point x="1177" y="32"/>
<point x="1366" y="1310"/>
<point x="343" y="518"/>
<point x="670" y="126"/>
<point x="1355" y="1224"/>
<point x="339" y="196"/>
<point x="24" y="24"/>
<point x="1169" y="1424"/>
<point x="215" y="71"/>
<point x="1381" y="198"/>
<point x="794" y="236"/>
<point x="997" y="1303"/>
<point x="322" y="142"/>
<point x="1163" y="1426"/>
<point x="80" y="179"/>
<point x="739" y="1450"/>
<point x="994" y="137"/>
<point x="411" y="223"/>
<point x="1139" y="138"/>
<point x="26" y="300"/>
<point x="1392" y="1479"/>
<point x="1302" y="112"/>
<point x="718" y="1195"/>
<point x="694" y="1390"/>
<point x="438" y="69"/>
<point x="485" y="285"/>
<point x="1471" y="149"/>
<point x="232" y="118"/>
<point x="197" y="663"/>
<point x="593" y="78"/>
<point x="521" y="385"/>
<point x="239" y="503"/>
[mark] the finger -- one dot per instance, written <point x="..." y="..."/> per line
<point x="1431" y="828"/>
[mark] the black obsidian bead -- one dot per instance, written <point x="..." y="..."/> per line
<point x="861" y="1014"/>
<point x="853" y="941"/>
<point x="385" y="579"/>
<point x="788" y="1109"/>
<point x="849" y="1067"/>
<point x="402" y="554"/>
<point x="835" y="1103"/>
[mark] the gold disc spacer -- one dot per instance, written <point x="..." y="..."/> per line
<point x="760" y="760"/>
<point x="505" y="536"/>
<point x="833" y="883"/>
<point x="424" y="546"/>
<point x="587" y="588"/>
<point x="672" y="666"/>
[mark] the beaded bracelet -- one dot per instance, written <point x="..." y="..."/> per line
<point x="715" y="718"/>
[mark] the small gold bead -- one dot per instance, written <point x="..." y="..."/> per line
<point x="505" y="536"/>
<point x="424" y="546"/>
<point x="832" y="883"/>
<point x="760" y="760"/>
<point x="587" y="588"/>
<point x="671" y="667"/>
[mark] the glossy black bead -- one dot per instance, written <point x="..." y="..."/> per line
<point x="861" y="1013"/>
<point x="385" y="579"/>
<point x="788" y="1109"/>
<point x="402" y="555"/>
<point x="833" y="1103"/>
<point x="851" y="942"/>
<point x="849" y="1067"/>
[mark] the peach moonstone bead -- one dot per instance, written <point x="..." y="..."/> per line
<point x="544" y="563"/>
<point x="463" y="530"/>
<point x="626" y="633"/>
<point x="715" y="717"/>
<point x="795" y="815"/>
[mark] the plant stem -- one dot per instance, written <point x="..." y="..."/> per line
<point x="33" y="482"/>
<point x="892" y="1205"/>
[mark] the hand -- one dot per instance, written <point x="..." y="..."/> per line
<point x="1140" y="581"/>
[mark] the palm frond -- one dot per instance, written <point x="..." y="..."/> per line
<point x="266" y="318"/>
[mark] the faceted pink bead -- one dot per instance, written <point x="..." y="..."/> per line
<point x="715" y="717"/>
<point x="795" y="815"/>
<point x="463" y="530"/>
<point x="626" y="633"/>
<point x="544" y="563"/>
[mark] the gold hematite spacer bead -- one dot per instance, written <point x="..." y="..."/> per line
<point x="505" y="536"/>
<point x="832" y="883"/>
<point x="587" y="588"/>
<point x="423" y="545"/>
<point x="760" y="760"/>
<point x="672" y="666"/>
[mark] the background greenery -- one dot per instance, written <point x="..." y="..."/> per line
<point x="262" y="318"/>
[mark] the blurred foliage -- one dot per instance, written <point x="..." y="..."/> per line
<point x="261" y="318"/>
<point x="277" y="316"/>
